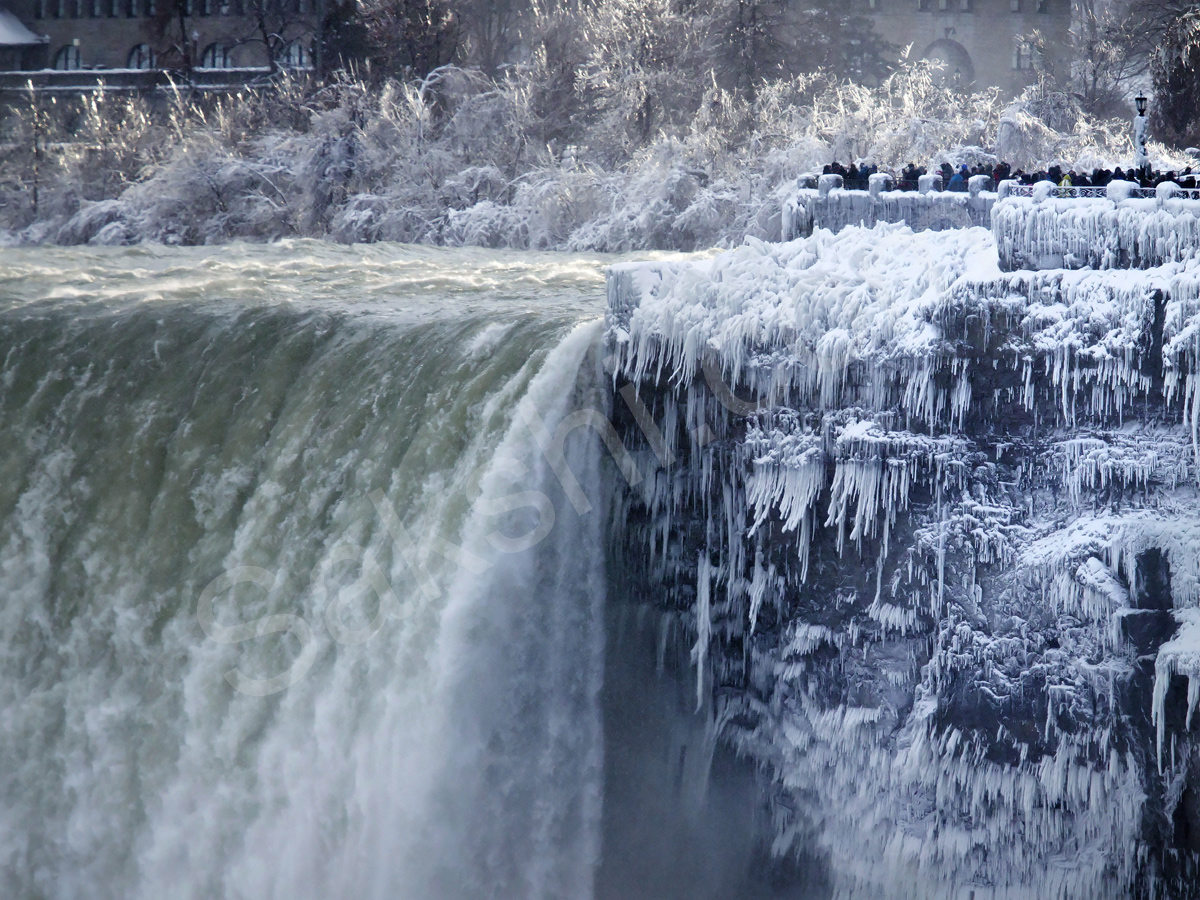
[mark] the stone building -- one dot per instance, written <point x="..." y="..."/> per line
<point x="983" y="43"/>
<point x="149" y="34"/>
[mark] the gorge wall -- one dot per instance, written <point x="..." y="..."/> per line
<point x="932" y="531"/>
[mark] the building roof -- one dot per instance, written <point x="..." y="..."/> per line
<point x="13" y="33"/>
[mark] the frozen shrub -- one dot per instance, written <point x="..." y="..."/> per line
<point x="628" y="162"/>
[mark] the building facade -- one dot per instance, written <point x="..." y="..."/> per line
<point x="981" y="43"/>
<point x="150" y="34"/>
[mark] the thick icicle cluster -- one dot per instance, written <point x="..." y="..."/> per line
<point x="922" y="518"/>
<point x="808" y="209"/>
<point x="1045" y="233"/>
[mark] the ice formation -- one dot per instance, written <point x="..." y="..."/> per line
<point x="830" y="206"/>
<point x="944" y="515"/>
<point x="1116" y="231"/>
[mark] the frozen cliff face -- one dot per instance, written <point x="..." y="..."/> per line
<point x="934" y="530"/>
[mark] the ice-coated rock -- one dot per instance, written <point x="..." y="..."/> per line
<point x="926" y="523"/>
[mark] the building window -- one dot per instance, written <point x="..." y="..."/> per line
<point x="141" y="57"/>
<point x="964" y="5"/>
<point x="215" y="57"/>
<point x="1014" y="6"/>
<point x="923" y="5"/>
<point x="943" y="4"/>
<point x="1042" y="5"/>
<point x="1023" y="54"/>
<point x="295" y="56"/>
<point x="68" y="58"/>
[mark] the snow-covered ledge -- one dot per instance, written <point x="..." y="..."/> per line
<point x="1121" y="227"/>
<point x="826" y="204"/>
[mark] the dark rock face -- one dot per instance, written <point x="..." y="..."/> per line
<point x="939" y="561"/>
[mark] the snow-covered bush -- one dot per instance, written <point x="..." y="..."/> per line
<point x="631" y="160"/>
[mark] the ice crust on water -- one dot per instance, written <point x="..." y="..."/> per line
<point x="920" y="534"/>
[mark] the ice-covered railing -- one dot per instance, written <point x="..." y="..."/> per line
<point x="1012" y="189"/>
<point x="1125" y="227"/>
<point x="821" y="202"/>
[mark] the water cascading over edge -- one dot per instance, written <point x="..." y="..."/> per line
<point x="293" y="604"/>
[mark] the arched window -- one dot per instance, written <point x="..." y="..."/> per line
<point x="68" y="58"/>
<point x="215" y="57"/>
<point x="1022" y="53"/>
<point x="295" y="56"/>
<point x="141" y="57"/>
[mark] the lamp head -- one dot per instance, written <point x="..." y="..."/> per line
<point x="1140" y="100"/>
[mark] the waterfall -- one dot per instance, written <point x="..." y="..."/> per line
<point x="293" y="605"/>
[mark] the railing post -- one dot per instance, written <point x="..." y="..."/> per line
<point x="827" y="183"/>
<point x="1116" y="191"/>
<point x="1165" y="192"/>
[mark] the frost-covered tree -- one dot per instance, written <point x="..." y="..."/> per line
<point x="1105" y="58"/>
<point x="832" y="38"/>
<point x="410" y="38"/>
<point x="1109" y="47"/>
<point x="1176" y="71"/>
<point x="752" y="41"/>
<point x="640" y="75"/>
<point x="275" y="26"/>
<point x="172" y="30"/>
<point x="747" y="42"/>
<point x="492" y="31"/>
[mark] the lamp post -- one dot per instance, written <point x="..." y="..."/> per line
<point x="1141" y="127"/>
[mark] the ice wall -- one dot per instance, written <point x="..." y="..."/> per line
<point x="1116" y="231"/>
<point x="833" y="208"/>
<point x="929" y="524"/>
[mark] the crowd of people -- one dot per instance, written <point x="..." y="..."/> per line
<point x="855" y="177"/>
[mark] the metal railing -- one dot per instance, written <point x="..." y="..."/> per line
<point x="1027" y="190"/>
